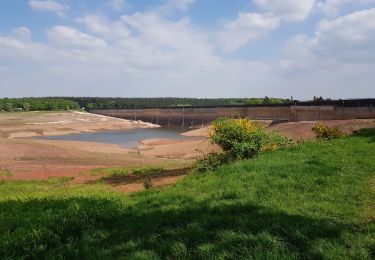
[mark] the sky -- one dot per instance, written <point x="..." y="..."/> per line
<point x="188" y="48"/>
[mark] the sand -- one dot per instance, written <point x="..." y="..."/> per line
<point x="29" y="124"/>
<point x="30" y="159"/>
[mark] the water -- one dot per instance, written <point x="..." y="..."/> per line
<point x="126" y="138"/>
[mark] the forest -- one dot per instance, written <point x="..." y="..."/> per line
<point x="37" y="104"/>
<point x="106" y="103"/>
<point x="72" y="103"/>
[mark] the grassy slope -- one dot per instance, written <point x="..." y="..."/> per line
<point x="315" y="200"/>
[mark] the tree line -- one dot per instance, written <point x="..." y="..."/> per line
<point x="37" y="104"/>
<point x="72" y="103"/>
<point x="118" y="103"/>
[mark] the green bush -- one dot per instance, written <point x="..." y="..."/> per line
<point x="211" y="161"/>
<point x="322" y="131"/>
<point x="239" y="139"/>
<point x="243" y="138"/>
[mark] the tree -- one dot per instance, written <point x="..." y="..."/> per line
<point x="8" y="107"/>
<point x="26" y="106"/>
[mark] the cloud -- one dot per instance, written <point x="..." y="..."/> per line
<point x="22" y="33"/>
<point x="288" y="10"/>
<point x="48" y="5"/>
<point x="71" y="37"/>
<point x="154" y="53"/>
<point x="349" y="37"/>
<point x="337" y="61"/>
<point x="117" y="4"/>
<point x="332" y="7"/>
<point x="250" y="26"/>
<point x="247" y="27"/>
<point x="175" y="5"/>
<point x="3" y="71"/>
<point x="180" y="4"/>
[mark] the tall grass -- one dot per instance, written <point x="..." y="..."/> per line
<point x="312" y="201"/>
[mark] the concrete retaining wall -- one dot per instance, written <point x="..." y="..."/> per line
<point x="196" y="117"/>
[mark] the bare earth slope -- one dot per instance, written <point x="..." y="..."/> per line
<point x="60" y="123"/>
<point x="29" y="159"/>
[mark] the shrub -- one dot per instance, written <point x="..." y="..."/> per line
<point x="243" y="138"/>
<point x="322" y="131"/>
<point x="211" y="162"/>
<point x="148" y="183"/>
<point x="148" y="170"/>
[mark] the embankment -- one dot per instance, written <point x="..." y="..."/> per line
<point x="200" y="116"/>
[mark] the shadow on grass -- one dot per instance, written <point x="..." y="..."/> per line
<point x="366" y="132"/>
<point x="174" y="228"/>
<point x="132" y="178"/>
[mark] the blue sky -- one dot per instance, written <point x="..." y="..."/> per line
<point x="189" y="48"/>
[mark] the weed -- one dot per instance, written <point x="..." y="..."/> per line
<point x="60" y="181"/>
<point x="148" y="170"/>
<point x="5" y="173"/>
<point x="211" y="162"/>
<point x="148" y="183"/>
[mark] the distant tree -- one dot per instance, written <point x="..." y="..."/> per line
<point x="26" y="106"/>
<point x="8" y="107"/>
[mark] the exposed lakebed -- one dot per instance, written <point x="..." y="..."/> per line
<point x="126" y="138"/>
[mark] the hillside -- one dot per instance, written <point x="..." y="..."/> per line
<point x="314" y="200"/>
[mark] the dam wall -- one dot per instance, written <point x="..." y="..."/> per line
<point x="200" y="116"/>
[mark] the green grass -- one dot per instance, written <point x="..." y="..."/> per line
<point x="119" y="172"/>
<point x="5" y="173"/>
<point x="312" y="201"/>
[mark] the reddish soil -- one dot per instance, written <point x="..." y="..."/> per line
<point x="303" y="130"/>
<point x="157" y="183"/>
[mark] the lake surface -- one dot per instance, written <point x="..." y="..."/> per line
<point x="126" y="138"/>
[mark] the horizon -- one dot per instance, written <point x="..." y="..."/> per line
<point x="170" y="97"/>
<point x="187" y="49"/>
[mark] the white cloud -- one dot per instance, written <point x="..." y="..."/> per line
<point x="71" y="37"/>
<point x="350" y="37"/>
<point x="288" y="10"/>
<point x="175" y="5"/>
<point x="338" y="61"/>
<point x="153" y="53"/>
<point x="49" y="5"/>
<point x="247" y="27"/>
<point x="332" y="7"/>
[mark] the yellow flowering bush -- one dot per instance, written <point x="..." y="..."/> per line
<point x="322" y="131"/>
<point x="244" y="138"/>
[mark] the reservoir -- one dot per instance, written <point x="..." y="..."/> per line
<point x="130" y="138"/>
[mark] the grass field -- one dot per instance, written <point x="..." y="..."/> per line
<point x="312" y="201"/>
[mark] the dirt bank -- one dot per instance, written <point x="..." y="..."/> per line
<point x="303" y="130"/>
<point x="180" y="149"/>
<point x="29" y="159"/>
<point x="60" y="123"/>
